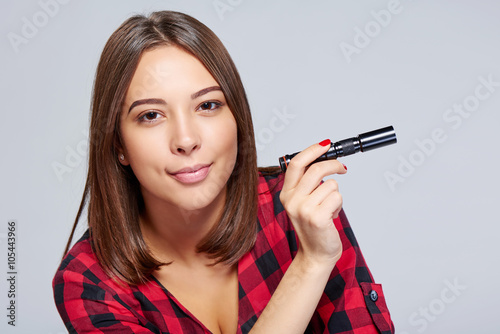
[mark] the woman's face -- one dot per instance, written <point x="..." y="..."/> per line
<point x="179" y="136"/>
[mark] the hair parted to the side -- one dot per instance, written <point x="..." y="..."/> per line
<point x="112" y="191"/>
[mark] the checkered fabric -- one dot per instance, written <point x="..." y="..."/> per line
<point x="89" y="301"/>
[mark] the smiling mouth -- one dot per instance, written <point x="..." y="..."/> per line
<point x="192" y="174"/>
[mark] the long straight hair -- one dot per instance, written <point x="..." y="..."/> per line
<point x="112" y="191"/>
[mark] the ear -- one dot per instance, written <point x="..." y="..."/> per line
<point x="122" y="154"/>
<point x="122" y="158"/>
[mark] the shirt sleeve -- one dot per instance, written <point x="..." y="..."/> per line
<point x="352" y="301"/>
<point x="87" y="305"/>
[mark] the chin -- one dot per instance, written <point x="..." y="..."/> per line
<point x="205" y="198"/>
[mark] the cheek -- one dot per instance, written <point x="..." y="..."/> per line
<point x="141" y="148"/>
<point x="227" y="135"/>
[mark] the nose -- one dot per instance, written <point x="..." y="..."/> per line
<point x="185" y="136"/>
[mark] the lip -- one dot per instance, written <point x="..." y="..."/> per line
<point x="192" y="174"/>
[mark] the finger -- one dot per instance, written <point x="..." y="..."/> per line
<point x="301" y="161"/>
<point x="324" y="200"/>
<point x="321" y="193"/>
<point x="329" y="208"/>
<point x="316" y="173"/>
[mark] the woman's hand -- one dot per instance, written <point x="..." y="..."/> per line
<point x="312" y="205"/>
<point x="311" y="208"/>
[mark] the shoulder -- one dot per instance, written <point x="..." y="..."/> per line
<point x="269" y="187"/>
<point x="88" y="299"/>
<point x="274" y="225"/>
<point x="270" y="179"/>
<point x="80" y="267"/>
<point x="80" y="256"/>
<point x="269" y="204"/>
<point x="79" y="259"/>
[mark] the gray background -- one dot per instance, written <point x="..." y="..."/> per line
<point x="435" y="225"/>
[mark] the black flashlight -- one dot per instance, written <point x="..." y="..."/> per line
<point x="364" y="142"/>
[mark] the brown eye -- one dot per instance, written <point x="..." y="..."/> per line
<point x="150" y="116"/>
<point x="210" y="105"/>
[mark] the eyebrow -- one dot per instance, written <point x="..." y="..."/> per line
<point x="161" y="101"/>
<point x="205" y="91"/>
<point x="146" y="101"/>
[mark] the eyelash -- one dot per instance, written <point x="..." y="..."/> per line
<point x="216" y="103"/>
<point x="214" y="106"/>
<point x="143" y="119"/>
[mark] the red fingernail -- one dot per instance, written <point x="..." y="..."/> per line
<point x="325" y="142"/>
<point x="345" y="167"/>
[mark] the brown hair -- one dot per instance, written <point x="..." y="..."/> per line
<point x="112" y="190"/>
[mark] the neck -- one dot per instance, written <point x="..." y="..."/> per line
<point x="173" y="233"/>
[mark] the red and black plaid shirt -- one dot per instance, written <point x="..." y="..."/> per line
<point x="89" y="301"/>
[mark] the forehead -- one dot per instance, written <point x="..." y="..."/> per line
<point x="168" y="68"/>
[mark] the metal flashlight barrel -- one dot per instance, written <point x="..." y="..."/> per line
<point x="377" y="138"/>
<point x="362" y="143"/>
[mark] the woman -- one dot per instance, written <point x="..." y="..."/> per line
<point x="185" y="234"/>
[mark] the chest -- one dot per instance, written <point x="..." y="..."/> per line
<point x="209" y="294"/>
